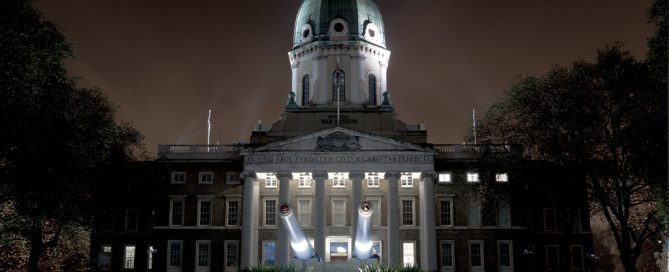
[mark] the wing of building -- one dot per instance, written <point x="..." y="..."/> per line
<point x="338" y="143"/>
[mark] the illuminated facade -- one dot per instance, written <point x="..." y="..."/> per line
<point x="337" y="144"/>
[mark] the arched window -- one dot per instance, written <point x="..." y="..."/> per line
<point x="372" y="90"/>
<point x="338" y="85"/>
<point x="305" y="90"/>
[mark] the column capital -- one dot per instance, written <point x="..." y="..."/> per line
<point x="429" y="174"/>
<point x="393" y="174"/>
<point x="284" y="175"/>
<point x="248" y="174"/>
<point x="356" y="175"/>
<point x="319" y="174"/>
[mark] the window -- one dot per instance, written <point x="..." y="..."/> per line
<point x="270" y="181"/>
<point x="231" y="255"/>
<point x="270" y="212"/>
<point x="575" y="220"/>
<point x="338" y="85"/>
<point x="233" y="178"/>
<point x="373" y="180"/>
<point x="505" y="255"/>
<point x="178" y="177"/>
<point x="377" y="250"/>
<point x="372" y="90"/>
<point x="550" y="220"/>
<point x="445" y="177"/>
<point x="129" y="257"/>
<point x="407" y="212"/>
<point x="176" y="211"/>
<point x="233" y="213"/>
<point x="552" y="258"/>
<point x="446" y="255"/>
<point x="108" y="219"/>
<point x="106" y="248"/>
<point x="269" y="252"/>
<point x="472" y="177"/>
<point x="503" y="213"/>
<point x="104" y="257"/>
<point x="339" y="212"/>
<point x="476" y="255"/>
<point x="502" y="177"/>
<point x="446" y="212"/>
<point x="304" y="180"/>
<point x="376" y="205"/>
<point x="304" y="212"/>
<point x="174" y="255"/>
<point x="203" y="253"/>
<point x="338" y="180"/>
<point x="576" y="252"/>
<point x="407" y="180"/>
<point x="149" y="257"/>
<point x="305" y="90"/>
<point x="131" y="219"/>
<point x="204" y="212"/>
<point x="206" y="177"/>
<point x="473" y="211"/>
<point x="408" y="254"/>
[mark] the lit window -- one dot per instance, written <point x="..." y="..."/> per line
<point x="231" y="255"/>
<point x="376" y="205"/>
<point x="270" y="181"/>
<point x="408" y="254"/>
<point x="552" y="258"/>
<point x="305" y="90"/>
<point x="269" y="252"/>
<point x="550" y="220"/>
<point x="338" y="85"/>
<point x="106" y="248"/>
<point x="131" y="219"/>
<point x="233" y="213"/>
<point x="472" y="177"/>
<point x="576" y="252"/>
<point x="446" y="256"/>
<point x="377" y="250"/>
<point x="445" y="212"/>
<point x="339" y="180"/>
<point x="174" y="255"/>
<point x="473" y="211"/>
<point x="270" y="212"/>
<point x="502" y="177"/>
<point x="304" y="180"/>
<point x="129" y="257"/>
<point x="445" y="177"/>
<point x="233" y="178"/>
<point x="176" y="211"/>
<point x="476" y="255"/>
<point x="339" y="212"/>
<point x="304" y="212"/>
<point x="204" y="212"/>
<point x="372" y="90"/>
<point x="206" y="177"/>
<point x="406" y="180"/>
<point x="203" y="254"/>
<point x="373" y="180"/>
<point x="503" y="213"/>
<point x="505" y="255"/>
<point x="178" y="177"/>
<point x="407" y="212"/>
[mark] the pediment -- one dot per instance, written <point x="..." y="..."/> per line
<point x="339" y="139"/>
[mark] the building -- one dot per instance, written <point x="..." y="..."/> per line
<point x="338" y="143"/>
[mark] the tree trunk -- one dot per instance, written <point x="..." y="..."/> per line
<point x="36" y="248"/>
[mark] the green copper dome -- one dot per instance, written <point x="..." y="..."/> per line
<point x="320" y="20"/>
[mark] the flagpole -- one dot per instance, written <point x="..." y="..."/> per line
<point x="209" y="127"/>
<point x="474" y="123"/>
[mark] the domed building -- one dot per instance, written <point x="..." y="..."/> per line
<point x="338" y="144"/>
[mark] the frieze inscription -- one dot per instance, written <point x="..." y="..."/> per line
<point x="330" y="158"/>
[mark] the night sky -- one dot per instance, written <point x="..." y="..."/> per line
<point x="166" y="62"/>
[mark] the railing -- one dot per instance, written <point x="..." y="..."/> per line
<point x="195" y="151"/>
<point x="470" y="148"/>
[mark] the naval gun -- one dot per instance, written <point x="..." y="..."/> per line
<point x="298" y="241"/>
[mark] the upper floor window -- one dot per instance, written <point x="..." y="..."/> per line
<point x="131" y="216"/>
<point x="304" y="180"/>
<point x="339" y="180"/>
<point x="407" y="212"/>
<point x="203" y="252"/>
<point x="472" y="177"/>
<point x="373" y="180"/>
<point x="446" y="212"/>
<point x="550" y="220"/>
<point x="503" y="213"/>
<point x="406" y="180"/>
<point x="176" y="211"/>
<point x="338" y="212"/>
<point x="473" y="211"/>
<point x="178" y="177"/>
<point x="338" y="85"/>
<point x="270" y="181"/>
<point x="372" y="90"/>
<point x="129" y="257"/>
<point x="445" y="177"/>
<point x="270" y="212"/>
<point x="233" y="212"/>
<point x="206" y="177"/>
<point x="502" y="177"/>
<point x="232" y="178"/>
<point x="305" y="90"/>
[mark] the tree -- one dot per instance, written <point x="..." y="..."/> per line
<point x="56" y="137"/>
<point x="605" y="120"/>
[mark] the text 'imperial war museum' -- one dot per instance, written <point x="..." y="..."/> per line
<point x="339" y="144"/>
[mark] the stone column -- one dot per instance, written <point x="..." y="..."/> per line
<point x="319" y="212"/>
<point x="249" y="243"/>
<point x="428" y="243"/>
<point x="283" y="245"/>
<point x="356" y="196"/>
<point x="393" y="242"/>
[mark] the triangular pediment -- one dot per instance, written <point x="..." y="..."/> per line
<point x="338" y="139"/>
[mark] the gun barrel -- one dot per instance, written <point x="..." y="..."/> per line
<point x="298" y="241"/>
<point x="363" y="234"/>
